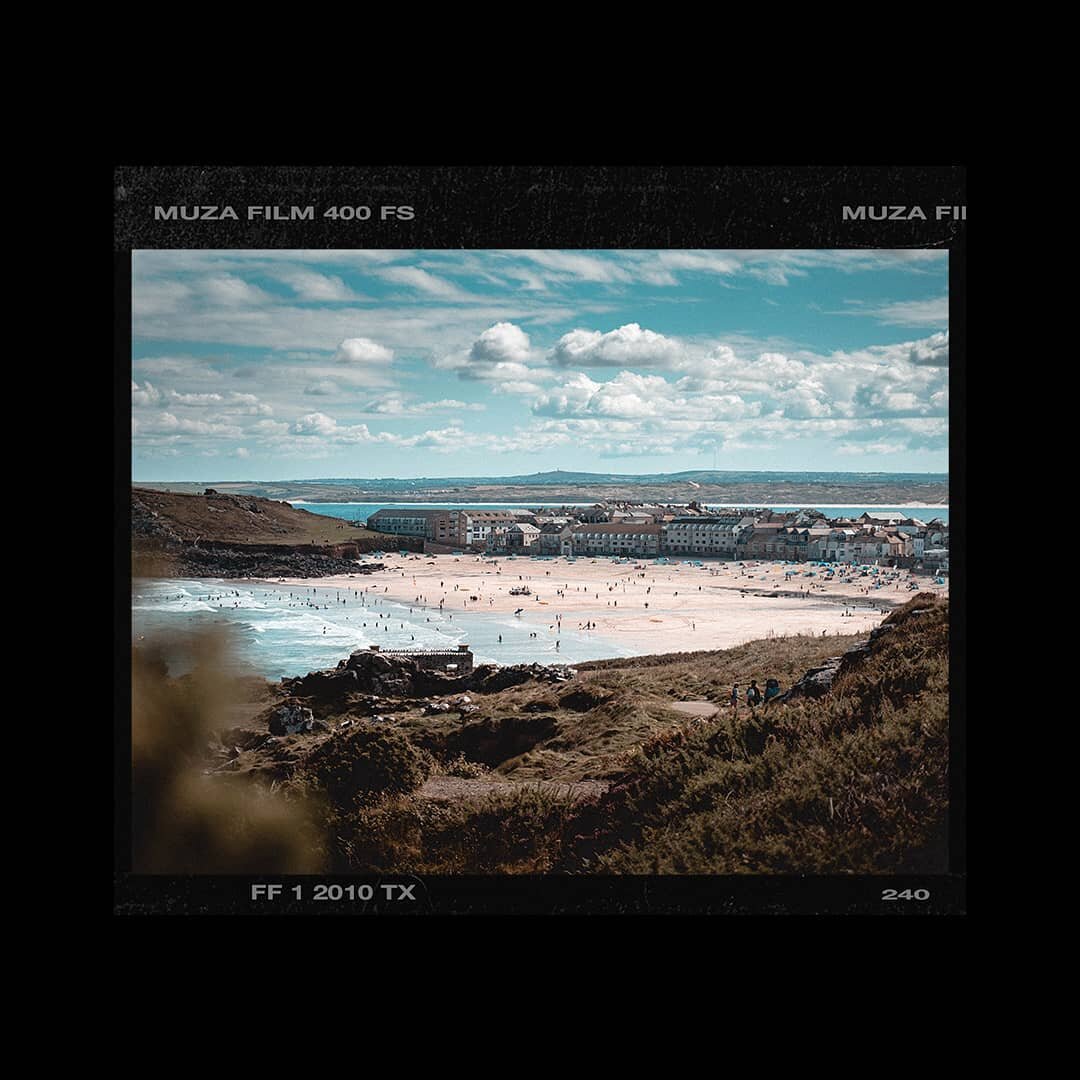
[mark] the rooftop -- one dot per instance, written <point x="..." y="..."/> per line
<point x="629" y="528"/>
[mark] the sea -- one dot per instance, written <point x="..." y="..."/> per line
<point x="283" y="631"/>
<point x="279" y="631"/>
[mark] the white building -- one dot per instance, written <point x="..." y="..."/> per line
<point x="715" y="536"/>
<point x="616" y="539"/>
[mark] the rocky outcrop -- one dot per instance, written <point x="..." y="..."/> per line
<point x="270" y="562"/>
<point x="392" y="675"/>
<point x="291" y="719"/>
<point x="490" y="679"/>
<point x="818" y="681"/>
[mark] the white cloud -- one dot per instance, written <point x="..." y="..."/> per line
<point x="309" y="285"/>
<point x="193" y="399"/>
<point x="397" y="405"/>
<point x="231" y="291"/>
<point x="424" y="282"/>
<point x="502" y="343"/>
<point x="577" y="265"/>
<point x="315" y="423"/>
<point x="501" y="355"/>
<point x="916" y="313"/>
<point x="147" y="394"/>
<point x="158" y="297"/>
<point x="630" y="396"/>
<point x="185" y="366"/>
<point x="167" y="423"/>
<point x="931" y="312"/>
<point x="517" y="386"/>
<point x="247" y="405"/>
<point x="932" y="351"/>
<point x="628" y="346"/>
<point x="360" y="350"/>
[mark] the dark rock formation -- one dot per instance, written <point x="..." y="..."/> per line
<point x="267" y="562"/>
<point x="818" y="681"/>
<point x="397" y="676"/>
<point x="815" y="683"/>
<point x="291" y="719"/>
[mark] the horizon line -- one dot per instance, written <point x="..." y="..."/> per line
<point x="352" y="479"/>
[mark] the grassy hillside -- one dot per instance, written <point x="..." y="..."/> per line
<point x="242" y="519"/>
<point x="855" y="781"/>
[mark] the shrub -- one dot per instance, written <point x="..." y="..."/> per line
<point x="856" y="781"/>
<point x="371" y="761"/>
<point x="461" y="766"/>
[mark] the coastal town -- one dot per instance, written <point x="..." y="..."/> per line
<point x="634" y="530"/>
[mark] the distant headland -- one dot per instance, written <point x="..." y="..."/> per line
<point x="707" y="485"/>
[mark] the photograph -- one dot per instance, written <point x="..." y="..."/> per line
<point x="477" y="563"/>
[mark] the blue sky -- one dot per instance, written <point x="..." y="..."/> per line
<point x="260" y="365"/>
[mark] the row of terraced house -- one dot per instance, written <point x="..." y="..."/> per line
<point x="649" y="531"/>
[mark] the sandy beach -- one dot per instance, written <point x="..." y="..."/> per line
<point x="645" y="606"/>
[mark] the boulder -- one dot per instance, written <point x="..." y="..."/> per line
<point x="291" y="718"/>
<point x="322" y="684"/>
<point x="817" y="682"/>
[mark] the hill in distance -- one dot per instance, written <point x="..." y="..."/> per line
<point x="765" y="487"/>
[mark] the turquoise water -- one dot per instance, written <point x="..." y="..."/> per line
<point x="352" y="511"/>
<point x="282" y="631"/>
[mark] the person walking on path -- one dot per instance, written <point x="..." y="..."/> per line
<point x="753" y="694"/>
<point x="735" y="698"/>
